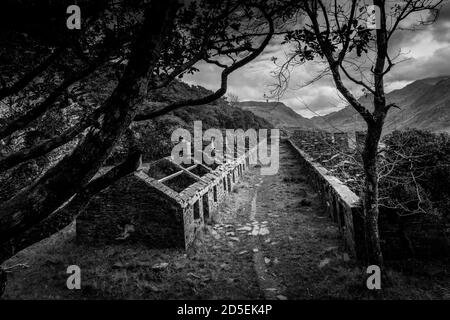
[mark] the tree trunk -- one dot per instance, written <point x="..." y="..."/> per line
<point x="370" y="201"/>
<point x="3" y="279"/>
<point x="67" y="214"/>
<point x="61" y="182"/>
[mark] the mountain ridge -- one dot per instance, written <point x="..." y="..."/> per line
<point x="424" y="104"/>
<point x="277" y="113"/>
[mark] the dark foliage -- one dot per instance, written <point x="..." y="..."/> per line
<point x="421" y="170"/>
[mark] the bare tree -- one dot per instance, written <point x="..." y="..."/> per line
<point x="233" y="99"/>
<point x="336" y="33"/>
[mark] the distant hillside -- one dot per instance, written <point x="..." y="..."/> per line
<point x="425" y="104"/>
<point x="155" y="135"/>
<point x="277" y="113"/>
<point x="218" y="114"/>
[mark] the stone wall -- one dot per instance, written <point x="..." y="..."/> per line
<point x="130" y="210"/>
<point x="321" y="141"/>
<point x="342" y="205"/>
<point x="419" y="236"/>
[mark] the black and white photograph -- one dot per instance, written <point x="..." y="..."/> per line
<point x="229" y="156"/>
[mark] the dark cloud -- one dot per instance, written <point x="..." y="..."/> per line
<point x="436" y="65"/>
<point x="441" y="29"/>
<point x="427" y="50"/>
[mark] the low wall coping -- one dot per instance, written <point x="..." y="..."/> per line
<point x="347" y="195"/>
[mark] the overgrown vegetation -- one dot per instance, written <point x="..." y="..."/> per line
<point x="414" y="195"/>
<point x="416" y="172"/>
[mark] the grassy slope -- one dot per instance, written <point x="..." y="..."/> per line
<point x="277" y="113"/>
<point x="155" y="134"/>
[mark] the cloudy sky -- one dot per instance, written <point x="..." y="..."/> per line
<point x="426" y="53"/>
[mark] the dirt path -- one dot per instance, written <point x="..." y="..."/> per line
<point x="294" y="244"/>
<point x="272" y="240"/>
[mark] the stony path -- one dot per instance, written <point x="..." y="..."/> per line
<point x="271" y="241"/>
<point x="285" y="227"/>
<point x="303" y="241"/>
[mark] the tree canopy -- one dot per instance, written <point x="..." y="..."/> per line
<point x="70" y="95"/>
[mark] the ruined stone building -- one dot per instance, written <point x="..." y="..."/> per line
<point x="162" y="204"/>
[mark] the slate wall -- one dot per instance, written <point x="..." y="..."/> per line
<point x="418" y="236"/>
<point x="131" y="211"/>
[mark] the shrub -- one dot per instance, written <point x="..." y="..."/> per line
<point x="419" y="173"/>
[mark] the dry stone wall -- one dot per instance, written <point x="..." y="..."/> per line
<point x="420" y="235"/>
<point x="342" y="205"/>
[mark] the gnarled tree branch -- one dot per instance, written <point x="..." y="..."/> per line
<point x="31" y="75"/>
<point x="23" y="120"/>
<point x="224" y="79"/>
<point x="63" y="216"/>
